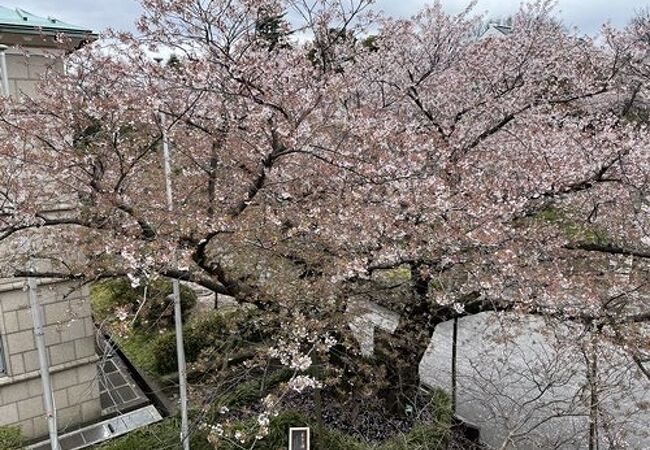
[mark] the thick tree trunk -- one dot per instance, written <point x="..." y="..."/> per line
<point x="402" y="351"/>
<point x="400" y="355"/>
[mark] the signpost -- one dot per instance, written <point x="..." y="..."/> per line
<point x="299" y="438"/>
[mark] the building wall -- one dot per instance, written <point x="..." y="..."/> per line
<point x="25" y="67"/>
<point x="68" y="326"/>
<point x="70" y="341"/>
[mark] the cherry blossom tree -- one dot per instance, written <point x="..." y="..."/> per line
<point x="320" y="148"/>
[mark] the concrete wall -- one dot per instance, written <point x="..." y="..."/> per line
<point x="25" y="68"/>
<point x="70" y="340"/>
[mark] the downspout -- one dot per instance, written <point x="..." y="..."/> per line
<point x="3" y="69"/>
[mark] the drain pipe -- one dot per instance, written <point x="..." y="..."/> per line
<point x="3" y="69"/>
<point x="39" y="335"/>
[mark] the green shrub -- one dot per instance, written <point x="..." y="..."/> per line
<point x="11" y="438"/>
<point x="433" y="434"/>
<point x="243" y="394"/>
<point x="198" y="335"/>
<point x="109" y="294"/>
<point x="164" y="349"/>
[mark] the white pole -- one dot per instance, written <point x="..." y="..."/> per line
<point x="3" y="69"/>
<point x="48" y="397"/>
<point x="178" y="321"/>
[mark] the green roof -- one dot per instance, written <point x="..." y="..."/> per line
<point x="18" y="20"/>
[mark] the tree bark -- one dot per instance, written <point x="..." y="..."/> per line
<point x="401" y="353"/>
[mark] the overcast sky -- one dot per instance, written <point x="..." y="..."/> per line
<point x="587" y="15"/>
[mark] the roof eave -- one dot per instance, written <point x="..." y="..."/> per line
<point x="79" y="37"/>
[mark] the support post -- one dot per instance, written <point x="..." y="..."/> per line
<point x="39" y="335"/>
<point x="178" y="319"/>
<point x="454" y="355"/>
<point x="3" y="69"/>
<point x="593" y="393"/>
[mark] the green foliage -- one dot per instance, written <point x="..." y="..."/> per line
<point x="423" y="436"/>
<point x="154" y="351"/>
<point x="370" y="43"/>
<point x="164" y="347"/>
<point x="576" y="232"/>
<point x="549" y="215"/>
<point x="433" y="434"/>
<point x="325" y="439"/>
<point x="250" y="391"/>
<point x="637" y="115"/>
<point x="269" y="28"/>
<point x="157" y="436"/>
<point x="206" y="332"/>
<point x="11" y="438"/>
<point x="275" y="440"/>
<point x="436" y="285"/>
<point x="243" y="394"/>
<point x="398" y="275"/>
<point x="173" y="62"/>
<point x="218" y="331"/>
<point x="107" y="295"/>
<point x="279" y="430"/>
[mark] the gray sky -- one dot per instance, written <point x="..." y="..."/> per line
<point x="587" y="15"/>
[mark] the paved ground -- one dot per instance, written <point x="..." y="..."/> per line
<point x="118" y="391"/>
<point x="521" y="389"/>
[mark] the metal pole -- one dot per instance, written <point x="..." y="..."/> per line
<point x="48" y="397"/>
<point x="178" y="320"/>
<point x="3" y="69"/>
<point x="454" y="374"/>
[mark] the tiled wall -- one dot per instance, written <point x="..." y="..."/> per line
<point x="25" y="69"/>
<point x="70" y="340"/>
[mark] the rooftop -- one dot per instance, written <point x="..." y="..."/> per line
<point x="19" y="21"/>
<point x="21" y="18"/>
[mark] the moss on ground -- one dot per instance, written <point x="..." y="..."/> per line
<point x="139" y="347"/>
